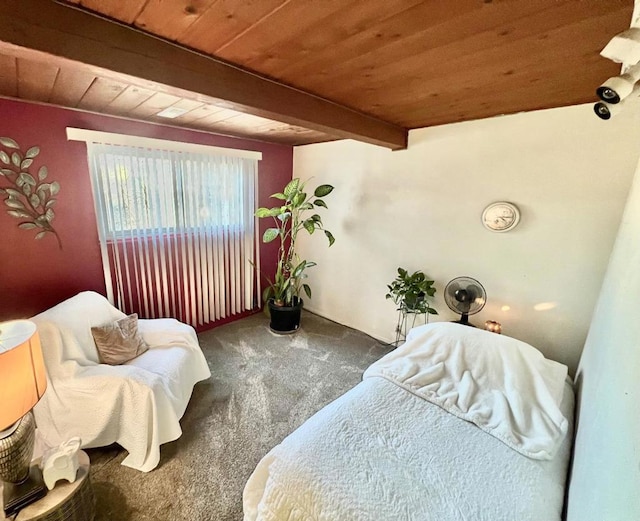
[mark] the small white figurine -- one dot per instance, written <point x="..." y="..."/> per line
<point x="61" y="462"/>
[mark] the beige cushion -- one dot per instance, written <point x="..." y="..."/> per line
<point x="119" y="341"/>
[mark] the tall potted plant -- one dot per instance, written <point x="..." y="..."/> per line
<point x="283" y="294"/>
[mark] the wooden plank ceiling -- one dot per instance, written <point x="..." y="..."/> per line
<point x="409" y="63"/>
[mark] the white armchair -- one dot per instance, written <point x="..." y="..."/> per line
<point x="138" y="404"/>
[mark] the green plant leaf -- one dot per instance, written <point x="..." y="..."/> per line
<point x="279" y="195"/>
<point x="291" y="188"/>
<point x="306" y="206"/>
<point x="320" y="202"/>
<point x="43" y="171"/>
<point x="298" y="198"/>
<point x="262" y="212"/>
<point x="4" y="157"/>
<point x="8" y="142"/>
<point x="32" y="152"/>
<point x="316" y="218"/>
<point x="297" y="271"/>
<point x="323" y="190"/>
<point x="309" y="225"/>
<point x="307" y="290"/>
<point x="270" y="234"/>
<point x="330" y="237"/>
<point x="284" y="216"/>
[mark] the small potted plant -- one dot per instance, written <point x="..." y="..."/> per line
<point x="283" y="294"/>
<point x="411" y="293"/>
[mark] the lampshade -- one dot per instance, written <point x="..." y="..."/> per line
<point x="23" y="378"/>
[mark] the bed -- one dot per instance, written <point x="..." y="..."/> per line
<point x="458" y="424"/>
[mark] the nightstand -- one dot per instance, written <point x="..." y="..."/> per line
<point x="67" y="501"/>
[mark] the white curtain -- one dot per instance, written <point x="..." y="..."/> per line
<point x="177" y="231"/>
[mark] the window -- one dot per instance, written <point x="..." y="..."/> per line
<point x="176" y="228"/>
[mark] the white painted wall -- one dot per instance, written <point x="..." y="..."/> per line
<point x="605" y="479"/>
<point x="569" y="173"/>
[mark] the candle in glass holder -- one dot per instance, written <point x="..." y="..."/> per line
<point x="493" y="326"/>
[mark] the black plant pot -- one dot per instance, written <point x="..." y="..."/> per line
<point x="285" y="319"/>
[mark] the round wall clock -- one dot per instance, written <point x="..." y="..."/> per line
<point x="500" y="216"/>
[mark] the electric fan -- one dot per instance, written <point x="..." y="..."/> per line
<point x="466" y="296"/>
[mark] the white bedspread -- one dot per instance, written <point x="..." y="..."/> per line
<point x="382" y="452"/>
<point x="137" y="405"/>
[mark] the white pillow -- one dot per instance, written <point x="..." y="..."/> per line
<point x="504" y="386"/>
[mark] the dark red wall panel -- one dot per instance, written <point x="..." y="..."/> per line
<point x="36" y="274"/>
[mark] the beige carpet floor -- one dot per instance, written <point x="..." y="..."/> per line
<point x="262" y="387"/>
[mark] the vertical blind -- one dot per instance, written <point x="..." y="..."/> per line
<point x="177" y="231"/>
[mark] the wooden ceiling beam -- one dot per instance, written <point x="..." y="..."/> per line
<point x="70" y="33"/>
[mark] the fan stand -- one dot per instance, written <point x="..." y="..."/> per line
<point x="464" y="320"/>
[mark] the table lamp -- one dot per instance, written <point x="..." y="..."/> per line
<point x="23" y="381"/>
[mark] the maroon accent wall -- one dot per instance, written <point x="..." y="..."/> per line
<point x="36" y="274"/>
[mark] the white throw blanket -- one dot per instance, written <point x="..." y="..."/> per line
<point x="504" y="386"/>
<point x="137" y="405"/>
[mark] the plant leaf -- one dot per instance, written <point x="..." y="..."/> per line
<point x="309" y="225"/>
<point x="291" y="188"/>
<point x="320" y="202"/>
<point x="307" y="290"/>
<point x="43" y="172"/>
<point x="270" y="234"/>
<point x="330" y="237"/>
<point x="279" y="195"/>
<point x="40" y="235"/>
<point x="8" y="142"/>
<point x="32" y="152"/>
<point x="262" y="212"/>
<point x="323" y="190"/>
<point x="27" y="226"/>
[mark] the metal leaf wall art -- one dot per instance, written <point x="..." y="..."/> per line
<point x="28" y="198"/>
